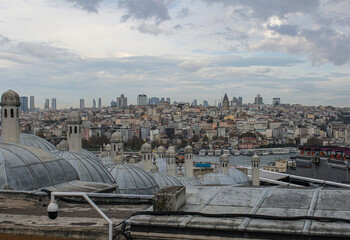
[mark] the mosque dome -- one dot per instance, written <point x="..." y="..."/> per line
<point x="10" y="98"/>
<point x="28" y="168"/>
<point x="170" y="153"/>
<point x="239" y="177"/>
<point x="161" y="164"/>
<point x="74" y="118"/>
<point x="88" y="169"/>
<point x="224" y="158"/>
<point x="132" y="179"/>
<point x="218" y="178"/>
<point x="186" y="181"/>
<point x="146" y="148"/>
<point x="108" y="147"/>
<point x="63" y="146"/>
<point x="117" y="137"/>
<point x="188" y="149"/>
<point x="160" y="149"/>
<point x="35" y="141"/>
<point x="164" y="179"/>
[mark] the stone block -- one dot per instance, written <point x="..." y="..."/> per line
<point x="170" y="198"/>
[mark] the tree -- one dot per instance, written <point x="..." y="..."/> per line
<point x="195" y="138"/>
<point x="314" y="142"/>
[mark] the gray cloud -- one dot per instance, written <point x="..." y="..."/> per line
<point x="184" y="12"/>
<point x="145" y="10"/>
<point x="4" y="40"/>
<point x="290" y="30"/>
<point x="43" y="50"/>
<point x="86" y="5"/>
<point x="152" y="29"/>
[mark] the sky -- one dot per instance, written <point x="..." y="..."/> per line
<point x="296" y="50"/>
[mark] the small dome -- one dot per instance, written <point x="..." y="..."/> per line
<point x="160" y="150"/>
<point x="35" y="141"/>
<point x="74" y="118"/>
<point x="10" y="98"/>
<point x="132" y="160"/>
<point x="164" y="180"/>
<point x="170" y="153"/>
<point x="132" y="179"/>
<point x="63" y="146"/>
<point x="28" y="168"/>
<point x="117" y="137"/>
<point x="118" y="159"/>
<point x="218" y="178"/>
<point x="188" y="149"/>
<point x="180" y="173"/>
<point x="224" y="158"/>
<point x="108" y="147"/>
<point x="238" y="176"/>
<point x="255" y="158"/>
<point x="88" y="169"/>
<point x="146" y="148"/>
<point x="186" y="181"/>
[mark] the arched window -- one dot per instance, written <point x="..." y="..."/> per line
<point x="12" y="113"/>
<point x="79" y="129"/>
<point x="115" y="148"/>
<point x="5" y="113"/>
<point x="17" y="112"/>
<point x="75" y="129"/>
<point x="70" y="130"/>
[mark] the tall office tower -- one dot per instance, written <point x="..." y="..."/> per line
<point x="162" y="99"/>
<point x="258" y="100"/>
<point x="53" y="103"/>
<point x="194" y="103"/>
<point x="24" y="104"/>
<point x="82" y="103"/>
<point x="47" y="104"/>
<point x="205" y="103"/>
<point x="168" y="100"/>
<point x="142" y="100"/>
<point x="93" y="103"/>
<point x="122" y="101"/>
<point x="234" y="101"/>
<point x="225" y="103"/>
<point x="240" y="101"/>
<point x="99" y="103"/>
<point x="276" y="101"/>
<point x="32" y="106"/>
<point x="153" y="101"/>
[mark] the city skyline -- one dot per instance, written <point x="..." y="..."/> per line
<point x="296" y="50"/>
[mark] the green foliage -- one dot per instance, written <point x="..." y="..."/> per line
<point x="195" y="138"/>
<point x="134" y="143"/>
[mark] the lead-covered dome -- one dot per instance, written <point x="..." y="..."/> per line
<point x="163" y="179"/>
<point x="73" y="118"/>
<point x="117" y="137"/>
<point x="188" y="149"/>
<point x="132" y="179"/>
<point x="146" y="148"/>
<point x="10" y="98"/>
<point x="35" y="141"/>
<point x="88" y="169"/>
<point x="239" y="177"/>
<point x="160" y="150"/>
<point x="170" y="153"/>
<point x="28" y="168"/>
<point x="219" y="179"/>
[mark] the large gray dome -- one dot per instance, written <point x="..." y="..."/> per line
<point x="186" y="181"/>
<point x="238" y="176"/>
<point x="218" y="178"/>
<point x="88" y="169"/>
<point x="132" y="179"/>
<point x="163" y="179"/>
<point x="10" y="98"/>
<point x="28" y="168"/>
<point x="35" y="141"/>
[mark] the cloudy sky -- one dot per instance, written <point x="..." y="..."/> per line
<point x="191" y="49"/>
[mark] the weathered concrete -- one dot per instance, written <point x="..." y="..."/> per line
<point x="170" y="198"/>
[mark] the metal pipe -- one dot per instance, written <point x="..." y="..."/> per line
<point x="86" y="197"/>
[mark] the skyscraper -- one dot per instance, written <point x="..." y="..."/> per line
<point x="225" y="103"/>
<point x="153" y="101"/>
<point x="99" y="103"/>
<point x="93" y="103"/>
<point x="82" y="103"/>
<point x="240" y="101"/>
<point x="32" y="106"/>
<point x="258" y="100"/>
<point x="205" y="103"/>
<point x="168" y="100"/>
<point x="47" y="104"/>
<point x="53" y="103"/>
<point x="142" y="100"/>
<point x="194" y="103"/>
<point x="24" y="104"/>
<point x="276" y="101"/>
<point x="122" y="101"/>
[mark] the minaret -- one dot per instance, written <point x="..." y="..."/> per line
<point x="188" y="161"/>
<point x="160" y="152"/>
<point x="117" y="144"/>
<point x="225" y="103"/>
<point x="146" y="156"/>
<point x="224" y="164"/>
<point x="10" y="117"/>
<point x="255" y="170"/>
<point x="74" y="136"/>
<point x="170" y="162"/>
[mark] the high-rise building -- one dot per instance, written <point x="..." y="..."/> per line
<point x="153" y="101"/>
<point x="122" y="101"/>
<point x="82" y="103"/>
<point x="93" y="103"/>
<point x="276" y="101"/>
<point x="240" y="101"/>
<point x="258" y="100"/>
<point x="205" y="103"/>
<point x="162" y="99"/>
<point x="47" y="104"/>
<point x="113" y="103"/>
<point x="225" y="103"/>
<point x="194" y="103"/>
<point x="53" y="103"/>
<point x="24" y="104"/>
<point x="142" y="100"/>
<point x="32" y="106"/>
<point x="99" y="103"/>
<point x="234" y="101"/>
<point x="168" y="100"/>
